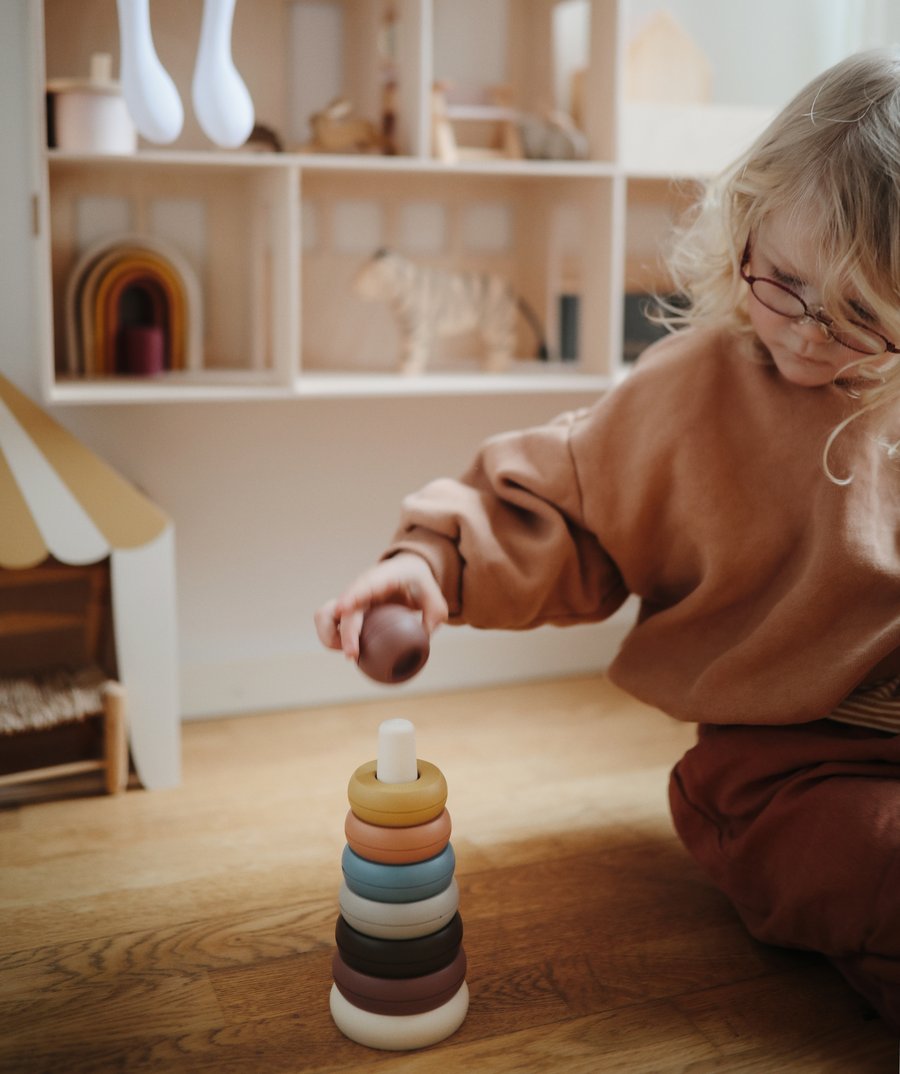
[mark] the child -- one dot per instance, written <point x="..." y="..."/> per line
<point x="743" y="483"/>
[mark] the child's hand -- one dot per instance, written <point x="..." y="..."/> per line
<point x="403" y="579"/>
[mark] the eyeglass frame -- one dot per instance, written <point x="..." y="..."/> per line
<point x="820" y="318"/>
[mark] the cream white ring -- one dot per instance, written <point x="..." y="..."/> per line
<point x="399" y="920"/>
<point x="399" y="1032"/>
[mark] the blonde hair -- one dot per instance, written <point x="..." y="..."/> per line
<point x="830" y="162"/>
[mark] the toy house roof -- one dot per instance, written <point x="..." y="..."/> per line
<point x="57" y="497"/>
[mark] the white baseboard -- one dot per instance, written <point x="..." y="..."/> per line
<point x="460" y="658"/>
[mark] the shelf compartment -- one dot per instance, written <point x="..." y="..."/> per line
<point x="543" y="58"/>
<point x="295" y="57"/>
<point x="543" y="236"/>
<point x="379" y="56"/>
<point x="232" y="230"/>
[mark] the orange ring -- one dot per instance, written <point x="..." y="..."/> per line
<point x="397" y="805"/>
<point x="397" y="846"/>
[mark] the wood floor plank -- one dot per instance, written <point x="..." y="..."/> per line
<point x="810" y="1019"/>
<point x="634" y="1040"/>
<point x="192" y="930"/>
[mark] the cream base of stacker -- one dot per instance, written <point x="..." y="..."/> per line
<point x="403" y="1032"/>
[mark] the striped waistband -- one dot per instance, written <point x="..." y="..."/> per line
<point x="877" y="707"/>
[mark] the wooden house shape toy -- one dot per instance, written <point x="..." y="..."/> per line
<point x="665" y="65"/>
<point x="87" y="603"/>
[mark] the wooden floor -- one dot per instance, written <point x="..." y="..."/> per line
<point x="192" y="930"/>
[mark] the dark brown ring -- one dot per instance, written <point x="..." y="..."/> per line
<point x="415" y="957"/>
<point x="408" y="995"/>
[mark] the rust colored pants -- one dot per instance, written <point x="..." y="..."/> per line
<point x="800" y="827"/>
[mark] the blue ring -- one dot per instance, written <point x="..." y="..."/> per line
<point x="398" y="883"/>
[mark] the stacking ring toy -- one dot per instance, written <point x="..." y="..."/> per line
<point x="397" y="846"/>
<point x="397" y="1033"/>
<point x="398" y="883"/>
<point x="397" y="805"/>
<point x="399" y="920"/>
<point x="410" y="995"/>
<point x="399" y="958"/>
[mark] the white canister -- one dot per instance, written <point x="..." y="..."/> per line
<point x="89" y="115"/>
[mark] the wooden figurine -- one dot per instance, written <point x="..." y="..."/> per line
<point x="337" y="130"/>
<point x="431" y="303"/>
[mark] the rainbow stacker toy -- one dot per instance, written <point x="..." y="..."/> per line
<point x="399" y="968"/>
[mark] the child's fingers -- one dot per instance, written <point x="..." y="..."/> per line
<point x="381" y="585"/>
<point x="402" y="580"/>
<point x="338" y="630"/>
<point x="327" y="625"/>
<point x="434" y="613"/>
<point x="349" y="628"/>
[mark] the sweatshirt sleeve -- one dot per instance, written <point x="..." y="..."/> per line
<point x="507" y="541"/>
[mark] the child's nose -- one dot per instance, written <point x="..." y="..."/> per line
<point x="813" y="330"/>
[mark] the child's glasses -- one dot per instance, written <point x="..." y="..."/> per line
<point x="780" y="299"/>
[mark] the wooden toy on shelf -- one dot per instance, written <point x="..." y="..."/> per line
<point x="552" y="136"/>
<point x="133" y="274"/>
<point x="503" y="140"/>
<point x="665" y="65"/>
<point x="336" y="129"/>
<point x="431" y="303"/>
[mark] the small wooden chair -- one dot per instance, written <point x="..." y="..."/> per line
<point x="499" y="118"/>
<point x="57" y="670"/>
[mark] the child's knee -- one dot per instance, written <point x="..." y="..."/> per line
<point x="815" y="865"/>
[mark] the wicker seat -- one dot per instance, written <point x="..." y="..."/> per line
<point x="57" y="669"/>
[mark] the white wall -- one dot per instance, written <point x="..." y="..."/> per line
<point x="276" y="504"/>
<point x="763" y="52"/>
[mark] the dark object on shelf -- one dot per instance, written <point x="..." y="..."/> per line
<point x="264" y="139"/>
<point x="639" y="330"/>
<point x="568" y="327"/>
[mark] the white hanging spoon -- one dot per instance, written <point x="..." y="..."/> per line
<point x="149" y="92"/>
<point x="222" y="101"/>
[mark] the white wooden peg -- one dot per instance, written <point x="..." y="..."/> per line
<point x="397" y="752"/>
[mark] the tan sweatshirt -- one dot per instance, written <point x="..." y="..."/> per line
<point x="768" y="592"/>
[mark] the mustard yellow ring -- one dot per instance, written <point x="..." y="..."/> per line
<point x="397" y="805"/>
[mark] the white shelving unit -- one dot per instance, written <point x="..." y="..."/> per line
<point x="275" y="239"/>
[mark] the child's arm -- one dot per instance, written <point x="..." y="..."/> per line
<point x="505" y="546"/>
<point x="508" y="542"/>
